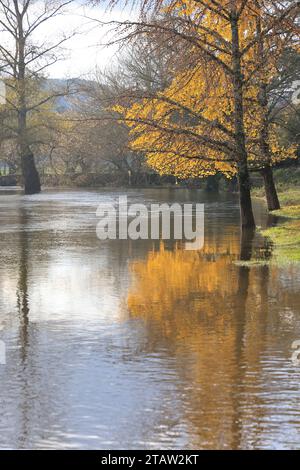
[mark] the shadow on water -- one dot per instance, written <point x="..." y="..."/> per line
<point x="240" y="307"/>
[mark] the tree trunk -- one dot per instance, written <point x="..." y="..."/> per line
<point x="246" y="211"/>
<point x="212" y="184"/>
<point x="271" y="193"/>
<point x="30" y="174"/>
<point x="31" y="179"/>
<point x="266" y="154"/>
<point x="246" y="244"/>
<point x="247" y="217"/>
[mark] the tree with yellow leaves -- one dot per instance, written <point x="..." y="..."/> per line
<point x="188" y="129"/>
<point x="265" y="70"/>
<point x="201" y="122"/>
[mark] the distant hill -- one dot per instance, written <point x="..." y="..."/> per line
<point x="74" y="90"/>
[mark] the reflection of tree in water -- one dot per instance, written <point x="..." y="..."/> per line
<point x="23" y="310"/>
<point x="212" y="316"/>
<point x="22" y="289"/>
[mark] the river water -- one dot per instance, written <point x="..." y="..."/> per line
<point x="142" y="344"/>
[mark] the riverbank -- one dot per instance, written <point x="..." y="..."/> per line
<point x="286" y="235"/>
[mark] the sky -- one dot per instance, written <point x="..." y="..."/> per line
<point x="85" y="52"/>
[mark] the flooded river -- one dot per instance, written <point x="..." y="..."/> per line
<point x="126" y="344"/>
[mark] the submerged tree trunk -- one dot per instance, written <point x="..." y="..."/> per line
<point x="30" y="174"/>
<point x="31" y="179"/>
<point x="247" y="217"/>
<point x="270" y="189"/>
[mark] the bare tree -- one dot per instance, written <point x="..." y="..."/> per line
<point x="24" y="60"/>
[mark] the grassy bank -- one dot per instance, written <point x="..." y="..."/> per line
<point x="286" y="235"/>
<point x="286" y="240"/>
<point x="289" y="196"/>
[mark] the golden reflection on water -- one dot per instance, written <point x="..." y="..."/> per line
<point x="218" y="320"/>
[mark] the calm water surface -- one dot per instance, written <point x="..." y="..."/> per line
<point x="136" y="344"/>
